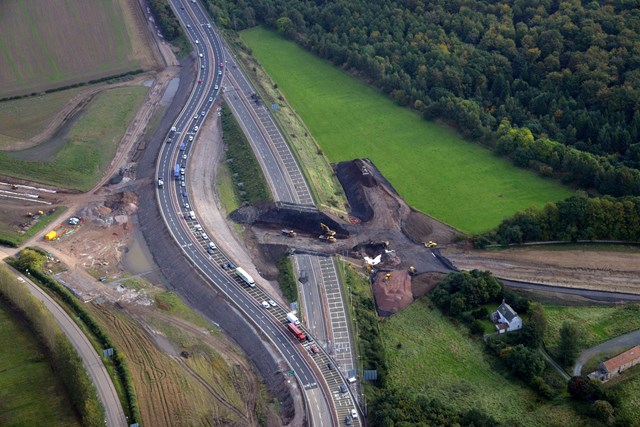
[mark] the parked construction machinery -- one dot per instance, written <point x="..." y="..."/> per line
<point x="329" y="235"/>
<point x="412" y="270"/>
<point x="289" y="232"/>
<point x="430" y="244"/>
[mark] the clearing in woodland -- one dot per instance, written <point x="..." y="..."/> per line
<point x="58" y="43"/>
<point x="30" y="394"/>
<point x="442" y="362"/>
<point x="433" y="168"/>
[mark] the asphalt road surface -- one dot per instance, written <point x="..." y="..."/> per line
<point x="173" y="198"/>
<point x="93" y="364"/>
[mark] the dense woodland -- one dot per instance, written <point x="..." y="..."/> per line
<point x="565" y="73"/>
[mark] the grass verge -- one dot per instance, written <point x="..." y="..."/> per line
<point x="433" y="168"/>
<point x="250" y="185"/>
<point x="426" y="354"/>
<point x="90" y="146"/>
<point x="315" y="166"/>
<point x="287" y="279"/>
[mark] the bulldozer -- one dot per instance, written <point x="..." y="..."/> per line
<point x="289" y="232"/>
<point x="430" y="244"/>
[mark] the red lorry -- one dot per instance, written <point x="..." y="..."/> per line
<point x="297" y="332"/>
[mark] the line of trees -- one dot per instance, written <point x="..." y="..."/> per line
<point x="32" y="260"/>
<point x="65" y="359"/>
<point x="166" y="19"/>
<point x="576" y="218"/>
<point x="565" y="72"/>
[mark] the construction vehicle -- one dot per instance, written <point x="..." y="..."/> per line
<point x="412" y="270"/>
<point x="327" y="231"/>
<point x="288" y="232"/>
<point x="430" y="244"/>
<point x="387" y="277"/>
<point x="329" y="239"/>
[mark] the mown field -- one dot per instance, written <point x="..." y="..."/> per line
<point x="30" y="394"/>
<point x="440" y="361"/>
<point x="431" y="166"/>
<point x="56" y="43"/>
<point x="599" y="323"/>
<point x="83" y="155"/>
<point x="22" y="119"/>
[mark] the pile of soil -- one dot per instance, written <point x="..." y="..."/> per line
<point x="392" y="291"/>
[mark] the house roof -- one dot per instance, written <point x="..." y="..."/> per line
<point x="622" y="359"/>
<point x="507" y="312"/>
<point x="502" y="326"/>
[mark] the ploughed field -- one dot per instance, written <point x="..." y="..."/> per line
<point x="54" y="43"/>
<point x="432" y="167"/>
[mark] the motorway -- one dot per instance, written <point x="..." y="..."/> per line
<point x="114" y="413"/>
<point x="173" y="198"/>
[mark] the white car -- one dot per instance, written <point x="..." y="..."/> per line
<point x="190" y="138"/>
<point x="197" y="42"/>
<point x="216" y="87"/>
<point x="184" y="157"/>
<point x="272" y="303"/>
<point x="354" y="414"/>
<point x="210" y="99"/>
<point x="265" y="304"/>
<point x="187" y="206"/>
<point x="200" y="55"/>
<point x="204" y="236"/>
<point x="188" y="26"/>
<point x="195" y="128"/>
<point x="212" y="245"/>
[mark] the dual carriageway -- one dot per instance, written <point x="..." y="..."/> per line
<point x="327" y="402"/>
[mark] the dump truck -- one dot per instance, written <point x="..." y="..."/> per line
<point x="291" y="317"/>
<point x="245" y="276"/>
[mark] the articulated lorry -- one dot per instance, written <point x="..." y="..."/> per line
<point x="245" y="276"/>
<point x="291" y="317"/>
<point x="297" y="332"/>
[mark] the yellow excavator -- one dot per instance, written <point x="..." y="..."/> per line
<point x="430" y="244"/>
<point x="329" y="235"/>
<point x="289" y="232"/>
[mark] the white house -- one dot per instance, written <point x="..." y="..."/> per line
<point x="506" y="319"/>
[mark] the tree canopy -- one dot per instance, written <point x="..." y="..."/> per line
<point x="555" y="83"/>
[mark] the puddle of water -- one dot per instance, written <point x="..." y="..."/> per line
<point x="170" y="91"/>
<point x="138" y="258"/>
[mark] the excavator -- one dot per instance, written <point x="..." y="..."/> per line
<point x="289" y="232"/>
<point x="329" y="235"/>
<point x="430" y="244"/>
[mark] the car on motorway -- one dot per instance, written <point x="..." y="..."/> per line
<point x="183" y="184"/>
<point x="195" y="117"/>
<point x="347" y="420"/>
<point x="197" y="228"/>
<point x="219" y="72"/>
<point x="199" y="81"/>
<point x="315" y="349"/>
<point x="272" y="303"/>
<point x="216" y="87"/>
<point x="265" y="304"/>
<point x="184" y="193"/>
<point x="329" y="365"/>
<point x="187" y="206"/>
<point x="202" y="66"/>
<point x="212" y="245"/>
<point x="182" y="171"/>
<point x="184" y="157"/>
<point x="221" y="65"/>
<point x="197" y="42"/>
<point x="210" y="251"/>
<point x="202" y="113"/>
<point x="208" y="25"/>
<point x="190" y="138"/>
<point x="354" y="414"/>
<point x="200" y="55"/>
<point x="343" y="388"/>
<point x="195" y="128"/>
<point x="188" y="25"/>
<point x="204" y="236"/>
<point x="210" y="99"/>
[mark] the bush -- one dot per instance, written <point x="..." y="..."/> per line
<point x="477" y="328"/>
<point x="541" y="387"/>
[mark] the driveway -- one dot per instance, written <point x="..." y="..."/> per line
<point x="618" y="344"/>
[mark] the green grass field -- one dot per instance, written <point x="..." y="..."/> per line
<point x="30" y="394"/>
<point x="600" y="323"/>
<point x="57" y="43"/>
<point x="439" y="360"/>
<point x="629" y="388"/>
<point x="90" y="146"/>
<point x="25" y="118"/>
<point x="432" y="167"/>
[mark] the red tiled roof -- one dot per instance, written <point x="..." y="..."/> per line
<point x="504" y="326"/>
<point x="622" y="359"/>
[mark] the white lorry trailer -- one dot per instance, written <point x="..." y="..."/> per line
<point x="291" y="317"/>
<point x="245" y="276"/>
